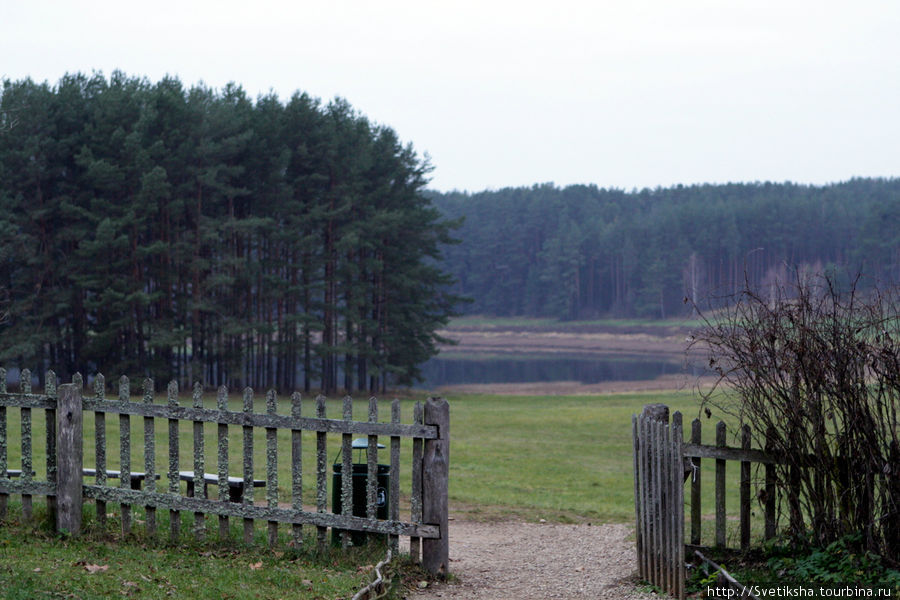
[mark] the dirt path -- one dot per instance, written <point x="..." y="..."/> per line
<point x="531" y="561"/>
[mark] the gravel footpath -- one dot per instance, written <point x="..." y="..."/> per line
<point x="531" y="561"/>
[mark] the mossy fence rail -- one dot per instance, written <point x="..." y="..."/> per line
<point x="663" y="462"/>
<point x="65" y="486"/>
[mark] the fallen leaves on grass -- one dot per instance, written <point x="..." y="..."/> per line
<point x="96" y="568"/>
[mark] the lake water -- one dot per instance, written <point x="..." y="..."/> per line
<point x="459" y="370"/>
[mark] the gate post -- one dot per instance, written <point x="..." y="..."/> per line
<point x="435" y="483"/>
<point x="69" y="459"/>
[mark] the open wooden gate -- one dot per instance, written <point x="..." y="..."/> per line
<point x="659" y="498"/>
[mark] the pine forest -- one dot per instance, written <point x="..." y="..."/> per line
<point x="195" y="234"/>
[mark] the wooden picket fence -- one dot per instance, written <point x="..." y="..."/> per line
<point x="663" y="462"/>
<point x="65" y="487"/>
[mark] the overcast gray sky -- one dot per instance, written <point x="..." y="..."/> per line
<point x="633" y="93"/>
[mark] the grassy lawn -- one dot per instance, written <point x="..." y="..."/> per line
<point x="36" y="564"/>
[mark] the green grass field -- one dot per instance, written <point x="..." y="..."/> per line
<point x="37" y="564"/>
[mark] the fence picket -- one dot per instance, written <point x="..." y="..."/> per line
<point x="347" y="470"/>
<point x="272" y="466"/>
<point x="100" y="447"/>
<point x="247" y="497"/>
<point x="720" y="488"/>
<point x="174" y="478"/>
<point x="678" y="509"/>
<point x="125" y="452"/>
<point x="149" y="458"/>
<point x="638" y="531"/>
<point x="27" y="462"/>
<point x="296" y="467"/>
<point x="199" y="462"/>
<point x="394" y="494"/>
<point x="659" y="445"/>
<point x="222" y="460"/>
<point x="50" y="420"/>
<point x="696" y="438"/>
<point x="372" y="472"/>
<point x="321" y="476"/>
<point x="649" y="542"/>
<point x="415" y="501"/>
<point x="4" y="497"/>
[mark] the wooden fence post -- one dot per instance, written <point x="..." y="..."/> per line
<point x="69" y="459"/>
<point x="435" y="480"/>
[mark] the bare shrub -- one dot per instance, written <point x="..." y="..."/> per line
<point x="815" y="372"/>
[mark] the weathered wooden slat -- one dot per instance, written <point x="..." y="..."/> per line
<point x="199" y="461"/>
<point x="658" y="471"/>
<point x="100" y="447"/>
<point x="745" y="491"/>
<point x="174" y="481"/>
<point x="346" y="470"/>
<point x="125" y="450"/>
<point x="222" y="460"/>
<point x="678" y="483"/>
<point x="272" y="466"/>
<point x="394" y="492"/>
<point x="20" y="400"/>
<point x="720" y="488"/>
<point x="319" y="424"/>
<point x="696" y="515"/>
<point x="415" y="500"/>
<point x="247" y="498"/>
<point x="435" y="475"/>
<point x="50" y="420"/>
<point x="646" y="508"/>
<point x="36" y="488"/>
<point x="296" y="467"/>
<point x="69" y="487"/>
<point x="27" y="457"/>
<point x="728" y="453"/>
<point x="636" y="450"/>
<point x="4" y="497"/>
<point x="666" y="513"/>
<point x="649" y="435"/>
<point x="372" y="467"/>
<point x="232" y="509"/>
<point x="149" y="458"/>
<point x="321" y="476"/>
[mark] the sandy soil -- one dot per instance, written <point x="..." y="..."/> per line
<point x="548" y="342"/>
<point x="538" y="561"/>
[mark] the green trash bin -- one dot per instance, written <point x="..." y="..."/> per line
<point x="360" y="475"/>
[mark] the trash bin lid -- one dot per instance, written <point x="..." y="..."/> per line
<point x="363" y="444"/>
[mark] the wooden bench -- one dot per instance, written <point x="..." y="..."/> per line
<point x="137" y="478"/>
<point x="16" y="473"/>
<point x="235" y="484"/>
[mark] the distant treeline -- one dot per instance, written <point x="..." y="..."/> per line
<point x="583" y="252"/>
<point x="196" y="234"/>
